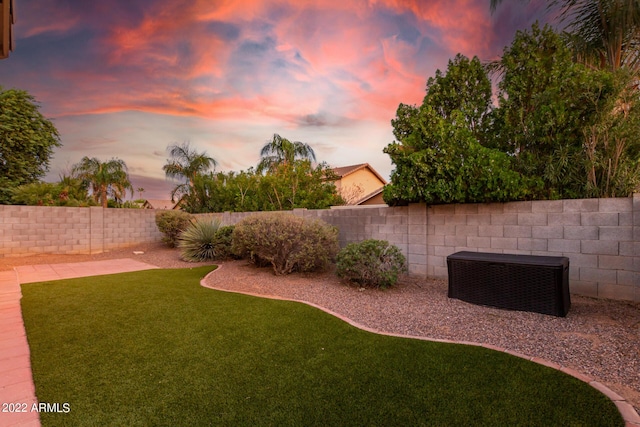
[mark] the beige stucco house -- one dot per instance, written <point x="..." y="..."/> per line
<point x="359" y="184"/>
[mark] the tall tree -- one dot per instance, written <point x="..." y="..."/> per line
<point x="106" y="179"/>
<point x="546" y="100"/>
<point x="187" y="164"/>
<point x="27" y="141"/>
<point x="439" y="157"/>
<point x="281" y="151"/>
<point x="464" y="88"/>
<point x="603" y="33"/>
<point x="606" y="33"/>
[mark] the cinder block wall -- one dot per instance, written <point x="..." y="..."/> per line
<point x="29" y="230"/>
<point x="126" y="227"/>
<point x="357" y="224"/>
<point x="601" y="237"/>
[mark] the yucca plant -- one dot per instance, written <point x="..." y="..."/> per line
<point x="200" y="241"/>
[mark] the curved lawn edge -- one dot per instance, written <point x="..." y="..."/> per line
<point x="629" y="414"/>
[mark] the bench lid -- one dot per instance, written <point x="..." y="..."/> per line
<point x="547" y="261"/>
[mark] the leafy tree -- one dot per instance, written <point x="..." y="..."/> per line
<point x="444" y="163"/>
<point x="611" y="145"/>
<point x="105" y="178"/>
<point x="289" y="186"/>
<point x="546" y="100"/>
<point x="281" y="151"/>
<point x="234" y="192"/>
<point x="67" y="192"/>
<point x="186" y="164"/>
<point x="438" y="157"/>
<point x="27" y="141"/>
<point x="465" y="88"/>
<point x="221" y="192"/>
<point x="403" y="124"/>
<point x="298" y="185"/>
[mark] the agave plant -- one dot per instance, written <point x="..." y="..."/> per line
<point x="200" y="241"/>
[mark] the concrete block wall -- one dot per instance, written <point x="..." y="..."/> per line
<point x="357" y="224"/>
<point x="30" y="230"/>
<point x="27" y="230"/>
<point x="601" y="237"/>
<point x="354" y="224"/>
<point x="124" y="227"/>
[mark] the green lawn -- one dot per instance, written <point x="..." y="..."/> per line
<point x="155" y="348"/>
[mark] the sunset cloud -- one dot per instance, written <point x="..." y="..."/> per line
<point x="129" y="77"/>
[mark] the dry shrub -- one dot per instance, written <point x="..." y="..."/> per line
<point x="286" y="242"/>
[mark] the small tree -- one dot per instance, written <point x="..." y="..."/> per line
<point x="27" y="141"/>
<point x="171" y="224"/>
<point x="105" y="178"/>
<point x="68" y="192"/>
<point x="298" y="185"/>
<point x="280" y="151"/>
<point x="188" y="165"/>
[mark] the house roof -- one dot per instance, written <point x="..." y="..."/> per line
<point x="370" y="196"/>
<point x="159" y="204"/>
<point x="343" y="171"/>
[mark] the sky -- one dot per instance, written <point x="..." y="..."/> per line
<point x="127" y="78"/>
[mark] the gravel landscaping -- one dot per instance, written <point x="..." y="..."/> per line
<point x="599" y="338"/>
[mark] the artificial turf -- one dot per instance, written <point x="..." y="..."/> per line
<point x="154" y="348"/>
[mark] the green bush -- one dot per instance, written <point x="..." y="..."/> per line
<point x="171" y="224"/>
<point x="204" y="240"/>
<point x="224" y="238"/>
<point x="371" y="262"/>
<point x="286" y="242"/>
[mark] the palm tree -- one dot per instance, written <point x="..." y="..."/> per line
<point x="281" y="151"/>
<point x="603" y="33"/>
<point x="105" y="178"/>
<point x="74" y="189"/>
<point x="187" y="164"/>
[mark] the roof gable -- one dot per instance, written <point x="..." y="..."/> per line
<point x="343" y="171"/>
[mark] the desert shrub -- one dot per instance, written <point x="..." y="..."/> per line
<point x="286" y="242"/>
<point x="204" y="240"/>
<point x="224" y="238"/>
<point x="171" y="224"/>
<point x="371" y="263"/>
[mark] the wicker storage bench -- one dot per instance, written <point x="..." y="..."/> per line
<point x="538" y="284"/>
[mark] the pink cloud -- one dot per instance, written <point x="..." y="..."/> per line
<point x="464" y="25"/>
<point x="44" y="17"/>
<point x="335" y="60"/>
